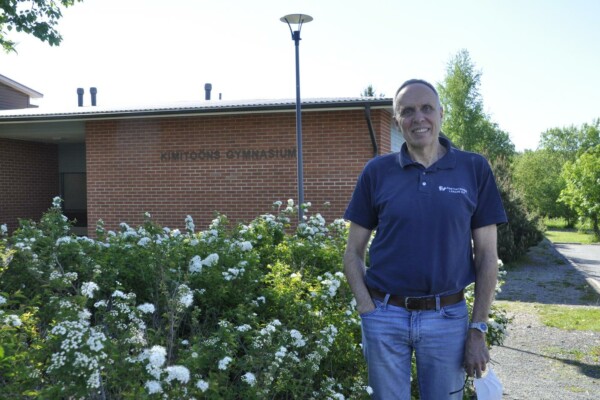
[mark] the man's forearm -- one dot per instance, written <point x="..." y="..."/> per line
<point x="354" y="269"/>
<point x="485" y="288"/>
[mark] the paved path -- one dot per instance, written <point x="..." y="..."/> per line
<point x="585" y="258"/>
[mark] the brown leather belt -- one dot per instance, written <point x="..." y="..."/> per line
<point x="418" y="303"/>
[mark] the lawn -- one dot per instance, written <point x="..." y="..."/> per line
<point x="557" y="232"/>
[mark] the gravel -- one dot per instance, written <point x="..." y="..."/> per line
<point x="540" y="362"/>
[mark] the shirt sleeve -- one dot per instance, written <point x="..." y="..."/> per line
<point x="361" y="209"/>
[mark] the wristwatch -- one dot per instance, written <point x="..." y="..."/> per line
<point x="480" y="326"/>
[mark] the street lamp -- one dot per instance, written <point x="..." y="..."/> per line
<point x="299" y="20"/>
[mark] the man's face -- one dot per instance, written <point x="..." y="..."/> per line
<point x="418" y="115"/>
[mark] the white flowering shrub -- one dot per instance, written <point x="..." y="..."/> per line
<point x="232" y="312"/>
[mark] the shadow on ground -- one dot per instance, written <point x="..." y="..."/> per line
<point x="545" y="276"/>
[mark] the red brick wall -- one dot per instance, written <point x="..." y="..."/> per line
<point x="28" y="180"/>
<point x="129" y="173"/>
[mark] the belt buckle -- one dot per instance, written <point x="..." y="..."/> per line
<point x="407" y="301"/>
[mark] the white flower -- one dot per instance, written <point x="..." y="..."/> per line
<point x="64" y="239"/>
<point x="281" y="353"/>
<point x="153" y="387"/>
<point x="3" y="229"/>
<point x="13" y="320"/>
<point x="298" y="339"/>
<point x="144" y="241"/>
<point x="245" y="246"/>
<point x="249" y="378"/>
<point x="224" y="363"/>
<point x="369" y="390"/>
<point x="202" y="385"/>
<point x="101" y="303"/>
<point x="146" y="308"/>
<point x="243" y="328"/>
<point x="119" y="294"/>
<point x="88" y="289"/>
<point x="56" y="202"/>
<point x="95" y="341"/>
<point x="211" y="260"/>
<point x="196" y="264"/>
<point x="157" y="356"/>
<point x="177" y="372"/>
<point x="2" y="300"/>
<point x="186" y="296"/>
<point x="189" y="224"/>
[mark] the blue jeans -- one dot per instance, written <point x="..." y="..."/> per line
<point x="390" y="334"/>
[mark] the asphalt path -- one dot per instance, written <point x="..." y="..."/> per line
<point x="585" y="258"/>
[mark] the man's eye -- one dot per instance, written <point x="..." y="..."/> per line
<point x="407" y="112"/>
<point x="427" y="109"/>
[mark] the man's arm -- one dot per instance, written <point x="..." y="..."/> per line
<point x="486" y="270"/>
<point x="354" y="266"/>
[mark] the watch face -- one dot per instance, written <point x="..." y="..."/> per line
<point x="480" y="326"/>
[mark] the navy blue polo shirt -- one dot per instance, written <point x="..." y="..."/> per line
<point x="423" y="219"/>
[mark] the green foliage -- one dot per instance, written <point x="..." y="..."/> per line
<point x="582" y="190"/>
<point x="537" y="177"/>
<point x="465" y="122"/>
<point x="247" y="311"/>
<point x="370" y="91"/>
<point x="468" y="127"/>
<point x="524" y="229"/>
<point x="34" y="17"/>
<point x="571" y="141"/>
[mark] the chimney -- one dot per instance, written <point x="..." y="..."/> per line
<point x="80" y="97"/>
<point x="93" y="92"/>
<point x="207" y="89"/>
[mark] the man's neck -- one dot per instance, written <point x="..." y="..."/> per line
<point x="427" y="156"/>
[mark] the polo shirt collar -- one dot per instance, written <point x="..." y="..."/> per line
<point x="448" y="161"/>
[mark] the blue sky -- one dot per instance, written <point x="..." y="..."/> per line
<point x="539" y="59"/>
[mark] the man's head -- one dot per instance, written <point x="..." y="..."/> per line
<point x="418" y="112"/>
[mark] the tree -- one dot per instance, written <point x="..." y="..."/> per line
<point x="582" y="191"/>
<point x="35" y="17"/>
<point x="537" y="176"/>
<point x="468" y="127"/>
<point x="369" y="91"/>
<point x="571" y="140"/>
<point x="465" y="123"/>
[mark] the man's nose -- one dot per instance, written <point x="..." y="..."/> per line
<point x="419" y="116"/>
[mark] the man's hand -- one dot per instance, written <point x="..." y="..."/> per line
<point x="365" y="308"/>
<point x="476" y="353"/>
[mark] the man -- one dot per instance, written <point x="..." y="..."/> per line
<point x="435" y="210"/>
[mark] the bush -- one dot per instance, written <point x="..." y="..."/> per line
<point x="233" y="312"/>
<point x="524" y="228"/>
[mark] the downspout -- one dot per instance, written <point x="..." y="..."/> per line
<point x="371" y="130"/>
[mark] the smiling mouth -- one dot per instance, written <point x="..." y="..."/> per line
<point x="420" y="130"/>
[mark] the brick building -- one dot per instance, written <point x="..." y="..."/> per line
<point x="235" y="158"/>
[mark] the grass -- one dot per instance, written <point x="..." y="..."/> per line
<point x="570" y="236"/>
<point x="570" y="318"/>
<point x="557" y="232"/>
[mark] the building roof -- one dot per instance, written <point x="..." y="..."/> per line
<point x="68" y="125"/>
<point x="188" y="108"/>
<point x="20" y="88"/>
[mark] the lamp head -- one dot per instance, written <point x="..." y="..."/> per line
<point x="298" y="19"/>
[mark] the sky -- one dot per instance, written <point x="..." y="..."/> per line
<point x="539" y="59"/>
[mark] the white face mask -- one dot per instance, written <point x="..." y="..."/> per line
<point x="488" y="387"/>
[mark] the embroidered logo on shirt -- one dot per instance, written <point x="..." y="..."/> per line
<point x="452" y="189"/>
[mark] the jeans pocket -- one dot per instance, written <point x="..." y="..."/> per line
<point x="378" y="305"/>
<point x="455" y="311"/>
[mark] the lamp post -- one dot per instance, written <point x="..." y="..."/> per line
<point x="299" y="20"/>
